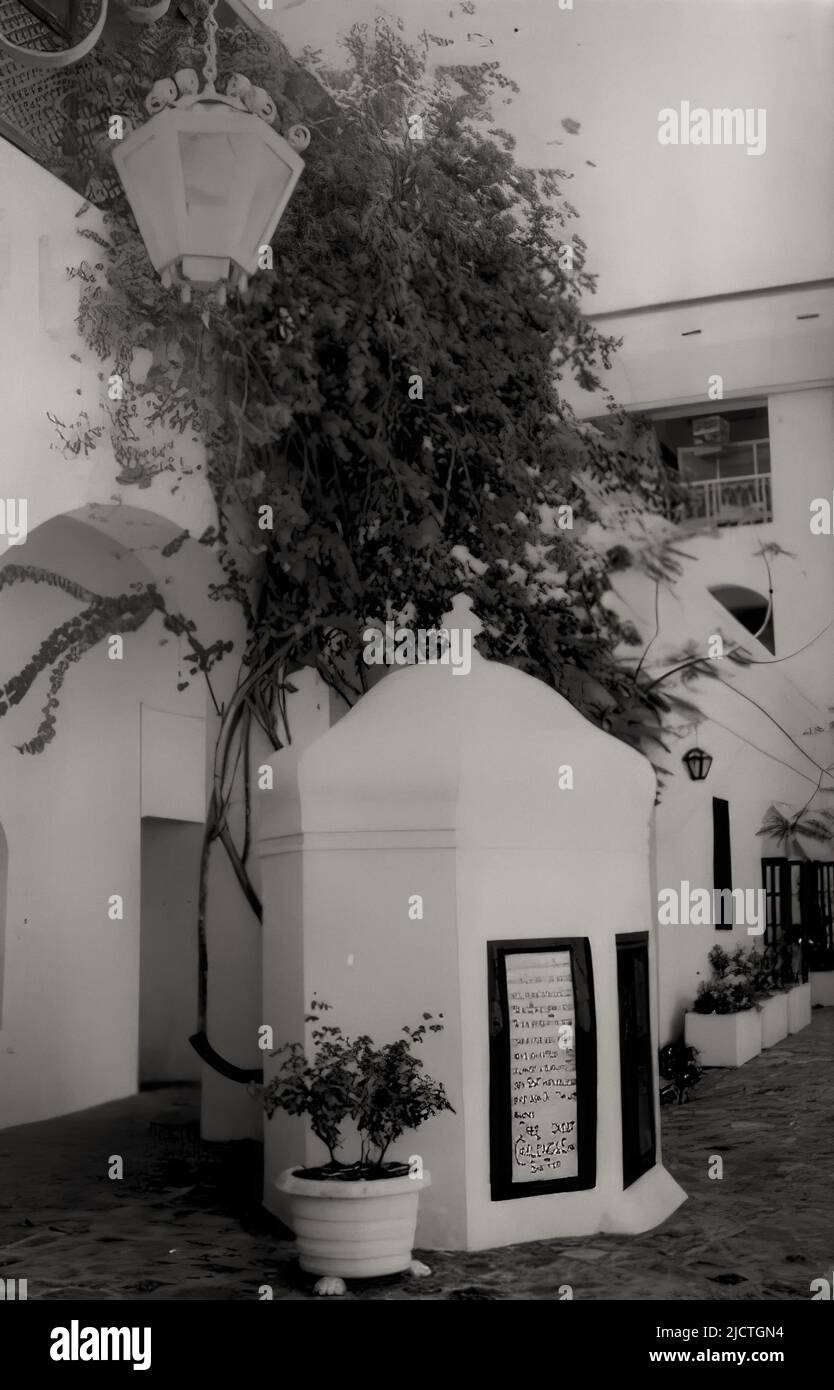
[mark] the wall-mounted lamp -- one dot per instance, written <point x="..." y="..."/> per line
<point x="698" y="764"/>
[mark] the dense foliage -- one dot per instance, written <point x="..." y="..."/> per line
<point x="382" y="1090"/>
<point x="679" y="1069"/>
<point x="788" y="827"/>
<point x="390" y="388"/>
<point x="380" y="410"/>
<point x="739" y="980"/>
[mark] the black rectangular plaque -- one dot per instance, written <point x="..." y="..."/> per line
<point x="543" y="1067"/>
<point x="637" y="1080"/>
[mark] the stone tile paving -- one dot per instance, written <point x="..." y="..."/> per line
<point x="185" y="1222"/>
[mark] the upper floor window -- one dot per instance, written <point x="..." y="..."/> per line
<point x="722" y="459"/>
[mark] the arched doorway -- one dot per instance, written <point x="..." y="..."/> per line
<point x="72" y="1023"/>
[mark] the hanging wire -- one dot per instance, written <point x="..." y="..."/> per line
<point x="210" y="69"/>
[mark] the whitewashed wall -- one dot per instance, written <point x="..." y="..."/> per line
<point x="660" y="222"/>
<point x="755" y="763"/>
<point x="68" y="1029"/>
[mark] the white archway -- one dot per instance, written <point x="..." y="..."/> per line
<point x="72" y="969"/>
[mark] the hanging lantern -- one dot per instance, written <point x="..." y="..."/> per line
<point x="698" y="764"/>
<point x="207" y="178"/>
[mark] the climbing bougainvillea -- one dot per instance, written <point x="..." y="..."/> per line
<point x="381" y="410"/>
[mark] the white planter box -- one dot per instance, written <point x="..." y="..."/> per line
<point x="724" y="1040"/>
<point x="774" y="1018"/>
<point x="822" y="988"/>
<point x="799" y="1007"/>
<point x="353" y="1230"/>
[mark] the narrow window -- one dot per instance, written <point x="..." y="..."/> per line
<point x="775" y="881"/>
<point x="722" y="867"/>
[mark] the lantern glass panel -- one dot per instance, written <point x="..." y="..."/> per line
<point x="233" y="183"/>
<point x="270" y="177"/>
<point x="145" y="173"/>
<point x="208" y="168"/>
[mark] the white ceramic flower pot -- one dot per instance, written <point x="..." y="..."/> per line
<point x="822" y="988"/>
<point x="724" y="1040"/>
<point x="774" y="1018"/>
<point x="799" y="1007"/>
<point x="352" y="1230"/>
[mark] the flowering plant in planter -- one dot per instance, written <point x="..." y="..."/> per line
<point x="731" y="989"/>
<point x="767" y="972"/>
<point x="381" y="1089"/>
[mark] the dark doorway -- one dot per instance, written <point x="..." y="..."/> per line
<point x="168" y="956"/>
<point x="636" y="1063"/>
<point x="799" y="896"/>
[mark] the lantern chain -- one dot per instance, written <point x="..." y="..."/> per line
<point x="210" y="69"/>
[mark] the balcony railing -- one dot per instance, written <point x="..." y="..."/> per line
<point x="728" y="488"/>
<point x="744" y="501"/>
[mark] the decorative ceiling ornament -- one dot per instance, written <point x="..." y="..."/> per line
<point x="206" y="177"/>
<point x="65" y="57"/>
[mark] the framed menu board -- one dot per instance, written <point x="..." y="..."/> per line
<point x="543" y="1067"/>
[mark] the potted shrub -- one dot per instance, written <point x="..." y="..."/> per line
<point x="769" y="993"/>
<point x="724" y="1025"/>
<point x="355" y="1219"/>
<point x="677" y="1066"/>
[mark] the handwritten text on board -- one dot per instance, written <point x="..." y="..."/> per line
<point x="542" y="1065"/>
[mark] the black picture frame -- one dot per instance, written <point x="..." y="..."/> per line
<point x="502" y="1187"/>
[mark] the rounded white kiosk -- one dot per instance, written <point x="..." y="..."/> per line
<point x="469" y="845"/>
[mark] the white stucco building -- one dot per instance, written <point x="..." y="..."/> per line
<point x="94" y="1004"/>
<point x="772" y="352"/>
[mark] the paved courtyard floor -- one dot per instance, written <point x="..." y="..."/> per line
<point x="185" y="1221"/>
